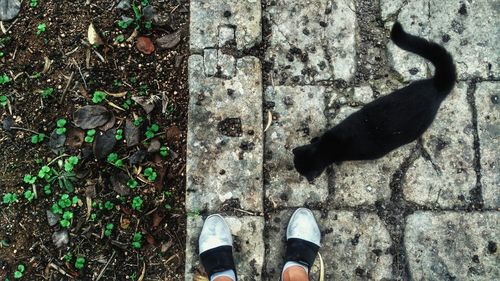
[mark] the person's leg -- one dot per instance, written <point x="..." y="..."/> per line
<point x="303" y="242"/>
<point x="295" y="273"/>
<point x="223" y="278"/>
<point x="216" y="249"/>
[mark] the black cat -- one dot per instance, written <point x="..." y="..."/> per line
<point x="388" y="122"/>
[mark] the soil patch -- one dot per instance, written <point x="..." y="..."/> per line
<point x="121" y="218"/>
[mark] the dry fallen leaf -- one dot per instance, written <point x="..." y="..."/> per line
<point x="124" y="223"/>
<point x="169" y="41"/>
<point x="93" y="36"/>
<point x="91" y="116"/>
<point x="104" y="143"/>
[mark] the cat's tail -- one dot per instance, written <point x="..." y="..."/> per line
<point x="445" y="75"/>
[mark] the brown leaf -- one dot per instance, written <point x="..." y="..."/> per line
<point x="154" y="146"/>
<point x="93" y="36"/>
<point x="75" y="137"/>
<point x="110" y="124"/>
<point x="91" y="116"/>
<point x="56" y="142"/>
<point x="169" y="41"/>
<point x="157" y="218"/>
<point x="145" y="45"/>
<point x="104" y="143"/>
<point x="132" y="133"/>
<point x="137" y="157"/>
<point x="119" y="184"/>
<point x="161" y="177"/>
<point x="124" y="223"/>
<point x="146" y="103"/>
<point x="150" y="239"/>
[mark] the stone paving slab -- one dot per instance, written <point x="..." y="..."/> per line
<point x="312" y="43"/>
<point x="311" y="40"/>
<point x="355" y="246"/>
<point x="453" y="246"/>
<point x="469" y="30"/>
<point x="446" y="176"/>
<point x="464" y="28"/>
<point x="298" y="116"/>
<point x="214" y="23"/>
<point x="224" y="144"/>
<point x="248" y="246"/>
<point x="487" y="96"/>
<point x="414" y="16"/>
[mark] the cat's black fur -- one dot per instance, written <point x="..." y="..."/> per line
<point x="388" y="122"/>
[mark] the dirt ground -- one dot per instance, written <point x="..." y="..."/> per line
<point x="59" y="56"/>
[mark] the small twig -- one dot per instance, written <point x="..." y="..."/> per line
<point x="115" y="106"/>
<point x="244" y="211"/>
<point x="116" y="95"/>
<point x="104" y="269"/>
<point x="60" y="270"/>
<point x="67" y="86"/>
<point x="81" y="74"/>
<point x="99" y="56"/>
<point x="14" y="55"/>
<point x="10" y="26"/>
<point x="175" y="8"/>
<point x="141" y="277"/>
<point x="57" y="158"/>
<point x="71" y="52"/>
<point x="24" y="129"/>
<point x="321" y="268"/>
<point x="132" y="36"/>
<point x="150" y="212"/>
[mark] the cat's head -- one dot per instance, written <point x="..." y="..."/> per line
<point x="307" y="161"/>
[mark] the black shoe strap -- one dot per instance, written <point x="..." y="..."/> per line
<point x="218" y="259"/>
<point x="301" y="251"/>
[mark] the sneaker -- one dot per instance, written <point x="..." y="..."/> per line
<point x="302" y="238"/>
<point x="216" y="246"/>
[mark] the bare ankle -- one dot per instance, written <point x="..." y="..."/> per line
<point x="295" y="273"/>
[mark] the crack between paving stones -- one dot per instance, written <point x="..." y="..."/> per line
<point x="476" y="194"/>
<point x="394" y="213"/>
<point x="394" y="16"/>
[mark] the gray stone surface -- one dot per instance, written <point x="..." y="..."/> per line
<point x="310" y="44"/>
<point x="248" y="247"/>
<point x="298" y="116"/>
<point x="453" y="246"/>
<point x="488" y="121"/>
<point x="224" y="144"/>
<point x="474" y="35"/>
<point x="312" y="40"/>
<point x="363" y="94"/>
<point x="464" y="28"/>
<point x="354" y="246"/>
<point x="414" y="17"/>
<point x="446" y="178"/>
<point x="209" y="19"/>
<point x="390" y="8"/>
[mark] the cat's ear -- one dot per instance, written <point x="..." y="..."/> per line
<point x="315" y="140"/>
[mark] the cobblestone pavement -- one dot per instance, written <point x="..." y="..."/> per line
<point x="426" y="211"/>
